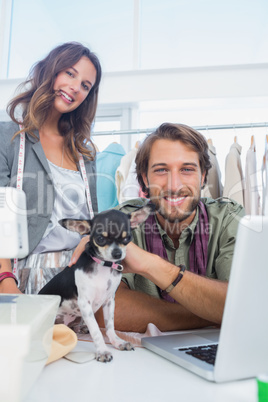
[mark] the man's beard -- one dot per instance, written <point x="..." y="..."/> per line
<point x="180" y="215"/>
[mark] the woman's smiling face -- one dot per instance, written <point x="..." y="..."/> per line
<point x="73" y="85"/>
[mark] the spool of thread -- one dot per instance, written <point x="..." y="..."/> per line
<point x="262" y="382"/>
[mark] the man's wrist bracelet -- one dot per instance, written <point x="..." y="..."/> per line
<point x="5" y="275"/>
<point x="177" y="280"/>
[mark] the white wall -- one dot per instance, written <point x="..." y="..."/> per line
<point x="172" y="84"/>
<point x="185" y="83"/>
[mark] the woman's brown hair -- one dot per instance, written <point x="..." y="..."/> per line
<point x="174" y="132"/>
<point x="38" y="96"/>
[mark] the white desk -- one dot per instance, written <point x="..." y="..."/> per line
<point x="134" y="376"/>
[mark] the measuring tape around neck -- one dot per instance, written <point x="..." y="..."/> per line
<point x="20" y="180"/>
<point x="84" y="176"/>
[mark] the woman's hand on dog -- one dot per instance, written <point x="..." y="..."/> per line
<point x="79" y="250"/>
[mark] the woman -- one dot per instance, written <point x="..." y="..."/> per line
<point x="57" y="106"/>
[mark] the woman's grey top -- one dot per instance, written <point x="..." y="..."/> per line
<point x="70" y="202"/>
<point x="37" y="179"/>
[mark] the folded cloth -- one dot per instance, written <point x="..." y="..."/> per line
<point x="80" y="357"/>
<point x="133" y="337"/>
<point x="63" y="341"/>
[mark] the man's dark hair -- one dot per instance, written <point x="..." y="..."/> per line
<point x="174" y="132"/>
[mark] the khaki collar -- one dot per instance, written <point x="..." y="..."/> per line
<point x="188" y="231"/>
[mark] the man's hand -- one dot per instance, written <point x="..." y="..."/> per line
<point x="151" y="266"/>
<point x="136" y="259"/>
<point x="79" y="250"/>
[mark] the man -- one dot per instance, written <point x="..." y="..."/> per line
<point x="172" y="166"/>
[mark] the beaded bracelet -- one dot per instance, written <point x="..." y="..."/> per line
<point x="177" y="280"/>
<point x="5" y="275"/>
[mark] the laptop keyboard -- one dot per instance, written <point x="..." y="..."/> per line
<point x="206" y="353"/>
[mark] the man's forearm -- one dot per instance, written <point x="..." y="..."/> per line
<point x="209" y="296"/>
<point x="135" y="310"/>
<point x="202" y="296"/>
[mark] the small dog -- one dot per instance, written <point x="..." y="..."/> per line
<point x="92" y="282"/>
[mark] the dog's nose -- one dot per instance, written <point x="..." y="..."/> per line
<point x="116" y="253"/>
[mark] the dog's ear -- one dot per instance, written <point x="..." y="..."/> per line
<point x="76" y="225"/>
<point x="140" y="215"/>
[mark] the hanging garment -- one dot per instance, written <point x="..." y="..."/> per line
<point x="265" y="180"/>
<point x="125" y="178"/>
<point x="252" y="198"/>
<point x="107" y="163"/>
<point x="234" y="178"/>
<point x="213" y="187"/>
<point x="131" y="187"/>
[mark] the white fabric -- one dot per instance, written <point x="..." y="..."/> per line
<point x="124" y="188"/>
<point x="131" y="187"/>
<point x="234" y="178"/>
<point x="265" y="182"/>
<point x="70" y="202"/>
<point x="252" y="198"/>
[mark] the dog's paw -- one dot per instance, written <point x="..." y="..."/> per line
<point x="126" y="346"/>
<point x="104" y="357"/>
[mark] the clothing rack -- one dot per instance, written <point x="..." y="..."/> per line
<point x="198" y="128"/>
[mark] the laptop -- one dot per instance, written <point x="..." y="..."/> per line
<point x="239" y="349"/>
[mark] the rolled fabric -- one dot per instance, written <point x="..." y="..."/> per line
<point x="64" y="340"/>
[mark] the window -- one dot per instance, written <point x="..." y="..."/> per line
<point x="145" y="34"/>
<point x="189" y="33"/>
<point x="106" y="27"/>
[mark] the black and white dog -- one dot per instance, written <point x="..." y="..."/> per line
<point x="92" y="282"/>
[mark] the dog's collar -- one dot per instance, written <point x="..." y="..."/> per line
<point x="109" y="264"/>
